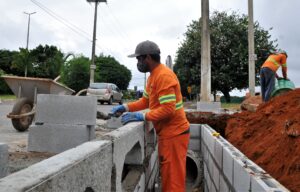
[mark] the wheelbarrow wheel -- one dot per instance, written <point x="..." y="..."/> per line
<point x="23" y="105"/>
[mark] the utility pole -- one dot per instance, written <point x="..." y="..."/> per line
<point x="205" y="89"/>
<point x="28" y="29"/>
<point x="251" y="54"/>
<point x="93" y="66"/>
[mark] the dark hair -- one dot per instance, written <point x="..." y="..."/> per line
<point x="155" y="57"/>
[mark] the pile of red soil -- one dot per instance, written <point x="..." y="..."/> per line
<point x="270" y="137"/>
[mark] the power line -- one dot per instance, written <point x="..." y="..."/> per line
<point x="63" y="21"/>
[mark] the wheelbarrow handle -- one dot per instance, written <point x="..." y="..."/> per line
<point x="12" y="116"/>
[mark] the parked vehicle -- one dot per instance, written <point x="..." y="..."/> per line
<point x="105" y="92"/>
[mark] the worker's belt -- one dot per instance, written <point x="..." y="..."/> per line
<point x="185" y="132"/>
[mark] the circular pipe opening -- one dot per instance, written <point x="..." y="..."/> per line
<point x="191" y="171"/>
<point x="89" y="189"/>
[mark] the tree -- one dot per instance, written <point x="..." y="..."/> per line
<point x="109" y="70"/>
<point x="229" y="53"/>
<point x="46" y="61"/>
<point x="6" y="60"/>
<point x="75" y="73"/>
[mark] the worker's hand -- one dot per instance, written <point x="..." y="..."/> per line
<point x="129" y="117"/>
<point x="118" y="110"/>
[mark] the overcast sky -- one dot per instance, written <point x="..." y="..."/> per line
<point x="123" y="24"/>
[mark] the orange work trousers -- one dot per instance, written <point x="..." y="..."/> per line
<point x="172" y="155"/>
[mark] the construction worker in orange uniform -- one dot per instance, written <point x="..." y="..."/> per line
<point x="163" y="97"/>
<point x="268" y="73"/>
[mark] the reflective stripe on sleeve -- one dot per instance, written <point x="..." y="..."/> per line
<point x="167" y="98"/>
<point x="273" y="61"/>
<point x="145" y="94"/>
<point x="284" y="65"/>
<point x="179" y="105"/>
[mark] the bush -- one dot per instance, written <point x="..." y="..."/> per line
<point x="4" y="89"/>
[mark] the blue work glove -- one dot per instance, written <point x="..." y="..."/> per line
<point x="130" y="117"/>
<point x="118" y="110"/>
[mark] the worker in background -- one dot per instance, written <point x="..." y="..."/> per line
<point x="268" y="73"/>
<point x="163" y="97"/>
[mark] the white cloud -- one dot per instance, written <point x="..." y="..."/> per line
<point x="123" y="24"/>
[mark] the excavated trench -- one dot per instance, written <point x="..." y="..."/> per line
<point x="269" y="136"/>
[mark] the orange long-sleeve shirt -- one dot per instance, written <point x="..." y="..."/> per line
<point x="163" y="97"/>
<point x="275" y="61"/>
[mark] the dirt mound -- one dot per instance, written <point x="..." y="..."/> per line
<point x="270" y="137"/>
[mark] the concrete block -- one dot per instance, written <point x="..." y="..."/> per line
<point x="228" y="164"/>
<point x="208" y="106"/>
<point x="152" y="170"/>
<point x="58" y="138"/>
<point x="87" y="166"/>
<point x="195" y="130"/>
<point x="194" y="144"/>
<point x="241" y="178"/>
<point x="66" y="109"/>
<point x="216" y="176"/>
<point x="223" y="185"/>
<point x="128" y="148"/>
<point x="3" y="160"/>
<point x="266" y="184"/>
<point x="218" y="153"/>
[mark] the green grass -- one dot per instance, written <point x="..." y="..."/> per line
<point x="7" y="97"/>
<point x="234" y="106"/>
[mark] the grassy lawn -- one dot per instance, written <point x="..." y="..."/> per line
<point x="7" y="97"/>
<point x="234" y="106"/>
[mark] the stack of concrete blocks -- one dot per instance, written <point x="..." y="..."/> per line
<point x="227" y="169"/>
<point x="62" y="122"/>
<point x="84" y="168"/>
<point x="3" y="160"/>
<point x="130" y="148"/>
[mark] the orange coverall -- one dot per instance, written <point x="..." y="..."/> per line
<point x="275" y="61"/>
<point x="163" y="96"/>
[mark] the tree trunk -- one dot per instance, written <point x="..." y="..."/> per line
<point x="227" y="96"/>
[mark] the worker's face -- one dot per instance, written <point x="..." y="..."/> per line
<point x="142" y="64"/>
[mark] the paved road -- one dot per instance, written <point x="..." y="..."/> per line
<point x="14" y="138"/>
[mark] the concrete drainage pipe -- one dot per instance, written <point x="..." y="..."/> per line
<point x="194" y="173"/>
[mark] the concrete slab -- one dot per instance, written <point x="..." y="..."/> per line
<point x="66" y="109"/>
<point x="128" y="148"/>
<point x="3" y="160"/>
<point x="208" y="106"/>
<point x="58" y="138"/>
<point x="87" y="166"/>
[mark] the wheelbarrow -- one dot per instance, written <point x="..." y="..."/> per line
<point x="26" y="90"/>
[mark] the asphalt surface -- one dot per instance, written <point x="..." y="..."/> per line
<point x="10" y="136"/>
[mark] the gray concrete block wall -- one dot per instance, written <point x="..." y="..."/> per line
<point x="95" y="165"/>
<point x="66" y="109"/>
<point x="58" y="138"/>
<point x="62" y="122"/>
<point x="227" y="169"/>
<point x="3" y="160"/>
<point x="86" y="166"/>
